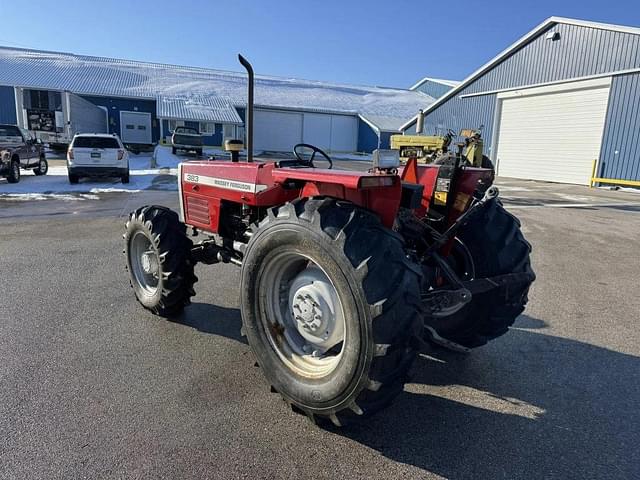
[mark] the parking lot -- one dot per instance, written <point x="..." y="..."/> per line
<point x="93" y="386"/>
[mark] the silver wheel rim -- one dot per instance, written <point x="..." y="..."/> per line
<point x="302" y="314"/>
<point x="43" y="166"/>
<point x="16" y="170"/>
<point x="145" y="263"/>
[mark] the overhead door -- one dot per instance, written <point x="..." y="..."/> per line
<point x="344" y="133"/>
<point x="135" y="127"/>
<point x="317" y="130"/>
<point x="552" y="133"/>
<point x="280" y="131"/>
<point x="277" y="131"/>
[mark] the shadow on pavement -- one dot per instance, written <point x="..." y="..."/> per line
<point x="212" y="319"/>
<point x="530" y="405"/>
<point x="535" y="406"/>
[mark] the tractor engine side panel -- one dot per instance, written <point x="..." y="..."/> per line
<point x="204" y="185"/>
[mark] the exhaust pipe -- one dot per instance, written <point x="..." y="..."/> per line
<point x="249" y="114"/>
<point x="420" y="122"/>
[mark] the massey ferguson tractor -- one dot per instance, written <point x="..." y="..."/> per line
<point x="344" y="275"/>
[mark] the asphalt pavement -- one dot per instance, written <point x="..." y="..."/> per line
<point x="94" y="386"/>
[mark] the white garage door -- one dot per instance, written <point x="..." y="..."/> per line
<point x="344" y="133"/>
<point x="135" y="127"/>
<point x="552" y="133"/>
<point x="317" y="130"/>
<point x="277" y="131"/>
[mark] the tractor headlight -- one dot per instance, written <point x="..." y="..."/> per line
<point x="5" y="156"/>
<point x="386" y="159"/>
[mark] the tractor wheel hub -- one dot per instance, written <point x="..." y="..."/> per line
<point x="315" y="309"/>
<point x="149" y="263"/>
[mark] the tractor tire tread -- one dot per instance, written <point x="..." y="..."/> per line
<point x="169" y="237"/>
<point x="390" y="283"/>
<point x="496" y="237"/>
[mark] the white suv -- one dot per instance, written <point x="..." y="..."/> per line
<point x="97" y="155"/>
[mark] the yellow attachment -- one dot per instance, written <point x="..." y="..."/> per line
<point x="429" y="142"/>
<point x="440" y="198"/>
<point x="467" y="132"/>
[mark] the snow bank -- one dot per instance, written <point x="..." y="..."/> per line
<point x="55" y="184"/>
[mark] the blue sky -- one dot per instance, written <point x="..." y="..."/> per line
<point x="390" y="43"/>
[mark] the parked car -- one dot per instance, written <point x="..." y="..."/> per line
<point x="20" y="150"/>
<point x="97" y="155"/>
<point x="186" y="138"/>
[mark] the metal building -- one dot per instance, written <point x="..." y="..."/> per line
<point x="143" y="102"/>
<point x="564" y="95"/>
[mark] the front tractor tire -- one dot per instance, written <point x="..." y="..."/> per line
<point x="331" y="308"/>
<point x="496" y="246"/>
<point x="158" y="255"/>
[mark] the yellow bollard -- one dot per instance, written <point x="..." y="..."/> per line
<point x="593" y="173"/>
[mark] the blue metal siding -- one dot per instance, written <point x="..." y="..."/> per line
<point x="580" y="51"/>
<point x="214" y="140"/>
<point x="115" y="105"/>
<point x="367" y="137"/>
<point x="385" y="139"/>
<point x="240" y="113"/>
<point x="7" y="105"/>
<point x="458" y="113"/>
<point x="620" y="153"/>
<point x="165" y="128"/>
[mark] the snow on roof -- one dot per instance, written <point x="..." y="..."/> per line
<point x="514" y="47"/>
<point x="382" y="123"/>
<point x="197" y="107"/>
<point x="448" y="83"/>
<point x="127" y="78"/>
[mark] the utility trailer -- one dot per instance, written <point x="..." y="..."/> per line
<point x="55" y="117"/>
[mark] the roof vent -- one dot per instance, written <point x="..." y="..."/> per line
<point x="553" y="36"/>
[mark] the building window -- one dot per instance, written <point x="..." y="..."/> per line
<point x="207" y="128"/>
<point x="229" y="131"/>
<point x="175" y="123"/>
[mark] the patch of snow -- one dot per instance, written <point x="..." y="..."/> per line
<point x="620" y="189"/>
<point x="55" y="184"/>
<point x="47" y="196"/>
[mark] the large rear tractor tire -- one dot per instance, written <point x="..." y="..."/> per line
<point x="158" y="254"/>
<point x="487" y="163"/>
<point x="331" y="308"/>
<point x="496" y="246"/>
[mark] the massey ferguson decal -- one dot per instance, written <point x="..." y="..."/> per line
<point x="224" y="183"/>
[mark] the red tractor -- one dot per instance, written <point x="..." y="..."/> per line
<point x="344" y="275"/>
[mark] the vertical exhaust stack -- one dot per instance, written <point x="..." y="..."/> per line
<point x="420" y="122"/>
<point x="249" y="115"/>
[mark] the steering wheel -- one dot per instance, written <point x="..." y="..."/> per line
<point x="297" y="152"/>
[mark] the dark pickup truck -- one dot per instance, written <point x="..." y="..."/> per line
<point x="20" y="150"/>
<point x="186" y="138"/>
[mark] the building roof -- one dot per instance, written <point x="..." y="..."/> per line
<point x="513" y="48"/>
<point x="176" y="87"/>
<point x="448" y="83"/>
<point x="197" y="107"/>
<point x="383" y="123"/>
